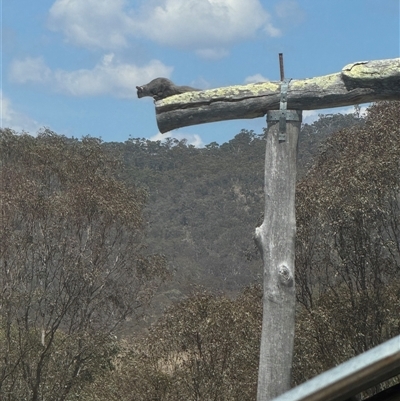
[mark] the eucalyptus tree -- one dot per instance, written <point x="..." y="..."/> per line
<point x="73" y="266"/>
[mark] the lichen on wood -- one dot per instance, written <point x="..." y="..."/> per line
<point x="356" y="83"/>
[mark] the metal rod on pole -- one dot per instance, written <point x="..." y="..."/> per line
<point x="281" y="66"/>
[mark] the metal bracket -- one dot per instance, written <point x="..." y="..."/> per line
<point x="282" y="115"/>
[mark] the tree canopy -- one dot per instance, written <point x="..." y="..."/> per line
<point x="72" y="263"/>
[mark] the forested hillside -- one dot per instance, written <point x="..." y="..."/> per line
<point x="204" y="204"/>
<point x="100" y="239"/>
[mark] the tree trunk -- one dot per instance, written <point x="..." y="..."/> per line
<point x="276" y="240"/>
<point x="360" y="82"/>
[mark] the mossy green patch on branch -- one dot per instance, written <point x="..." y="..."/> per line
<point x="323" y="82"/>
<point x="372" y="69"/>
<point x="223" y="92"/>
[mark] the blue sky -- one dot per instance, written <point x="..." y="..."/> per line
<point x="73" y="65"/>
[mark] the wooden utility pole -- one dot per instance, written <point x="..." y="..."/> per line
<point x="276" y="240"/>
<point x="359" y="82"/>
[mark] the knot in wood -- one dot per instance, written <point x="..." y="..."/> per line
<point x="285" y="275"/>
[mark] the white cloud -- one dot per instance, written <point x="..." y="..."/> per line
<point x="212" y="54"/>
<point x="192" y="139"/>
<point x="110" y="76"/>
<point x="253" y="79"/>
<point x="30" y="70"/>
<point x="206" y="26"/>
<point x="289" y="12"/>
<point x="91" y="23"/>
<point x="11" y="118"/>
<point x="202" y="23"/>
<point x="271" y="30"/>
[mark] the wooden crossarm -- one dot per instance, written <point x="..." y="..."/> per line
<point x="359" y="82"/>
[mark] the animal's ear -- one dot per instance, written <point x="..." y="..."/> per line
<point x="139" y="91"/>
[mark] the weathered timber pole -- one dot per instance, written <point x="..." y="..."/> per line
<point x="276" y="241"/>
<point x="360" y="82"/>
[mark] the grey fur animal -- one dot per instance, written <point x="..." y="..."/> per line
<point x="160" y="88"/>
